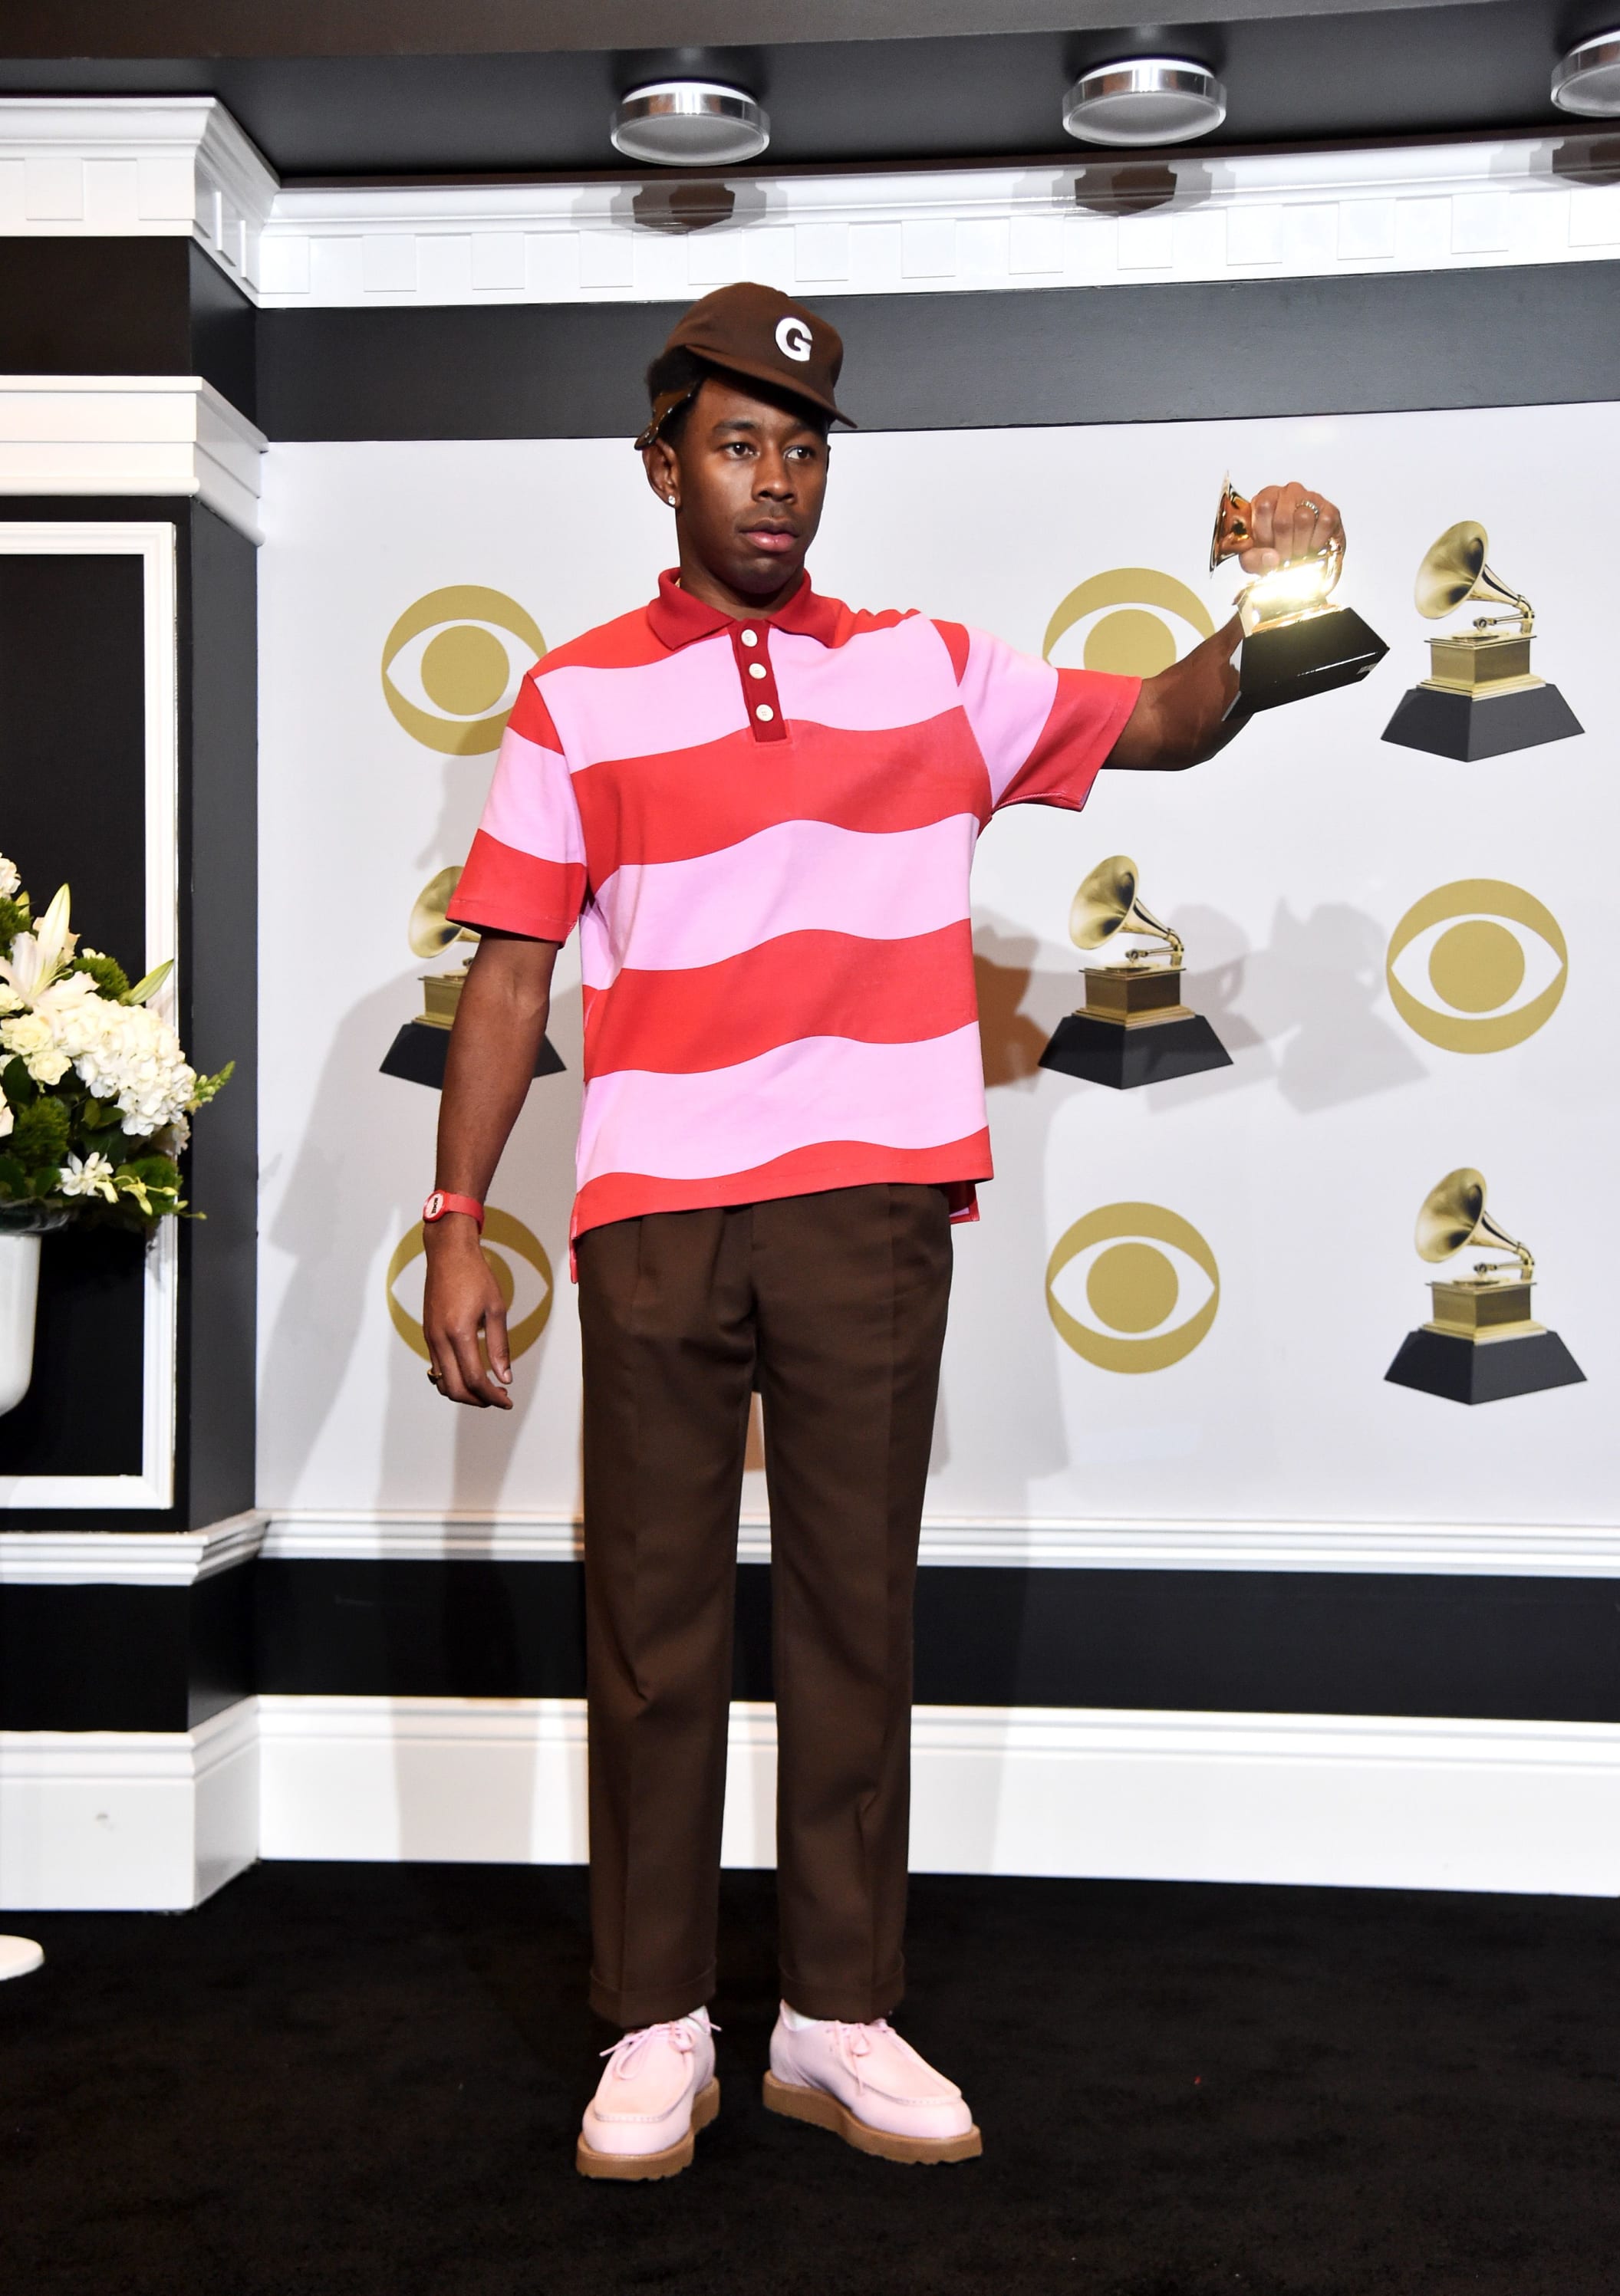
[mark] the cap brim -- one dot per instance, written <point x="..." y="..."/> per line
<point x="757" y="371"/>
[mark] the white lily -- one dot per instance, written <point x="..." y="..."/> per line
<point x="37" y="957"/>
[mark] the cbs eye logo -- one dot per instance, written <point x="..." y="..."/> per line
<point x="1496" y="958"/>
<point x="528" y="1285"/>
<point x="1124" y="636"/>
<point x="1132" y="1266"/>
<point x="451" y="666"/>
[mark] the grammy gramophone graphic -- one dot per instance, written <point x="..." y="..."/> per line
<point x="1133" y="1028"/>
<point x="419" y="1051"/>
<point x="1295" y="643"/>
<point x="1481" y="1344"/>
<point x="1479" y="699"/>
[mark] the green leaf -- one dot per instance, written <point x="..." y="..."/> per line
<point x="149" y="981"/>
<point x="45" y="1181"/>
<point x="14" y="1179"/>
<point x="18" y="1084"/>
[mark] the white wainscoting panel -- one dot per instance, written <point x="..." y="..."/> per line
<point x="126" y="1821"/>
<point x="1354" y="1801"/>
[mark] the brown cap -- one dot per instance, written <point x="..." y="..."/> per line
<point x="760" y="332"/>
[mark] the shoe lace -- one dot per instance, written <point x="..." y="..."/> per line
<point x="625" y="2051"/>
<point x="854" y="2042"/>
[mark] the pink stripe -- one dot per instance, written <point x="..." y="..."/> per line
<point x="530" y="805"/>
<point x="679" y="703"/>
<point x="898" y="677"/>
<point x="1009" y="698"/>
<point x="819" y="1088"/>
<point x="800" y="876"/>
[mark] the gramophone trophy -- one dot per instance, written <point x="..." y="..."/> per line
<point x="419" y="1051"/>
<point x="1134" y="1028"/>
<point x="1479" y="699"/>
<point x="1482" y="1343"/>
<point x="1293" y="641"/>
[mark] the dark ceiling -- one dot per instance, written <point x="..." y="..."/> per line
<point x="1298" y="71"/>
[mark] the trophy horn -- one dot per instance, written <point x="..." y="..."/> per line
<point x="1107" y="903"/>
<point x="1454" y="570"/>
<point x="1454" y="1215"/>
<point x="1234" y="524"/>
<point x="430" y="930"/>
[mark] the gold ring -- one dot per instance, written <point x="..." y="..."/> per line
<point x="1314" y="508"/>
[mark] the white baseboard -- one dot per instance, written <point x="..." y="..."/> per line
<point x="124" y="1821"/>
<point x="1354" y="1802"/>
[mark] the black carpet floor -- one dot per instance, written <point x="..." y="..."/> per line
<point x="366" y="2081"/>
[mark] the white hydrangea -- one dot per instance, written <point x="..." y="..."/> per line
<point x="9" y="878"/>
<point x="6" y="1118"/>
<point x="127" y="1054"/>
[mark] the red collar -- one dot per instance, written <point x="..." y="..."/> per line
<point x="676" y="617"/>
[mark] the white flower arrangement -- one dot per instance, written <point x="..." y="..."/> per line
<point x="95" y="1092"/>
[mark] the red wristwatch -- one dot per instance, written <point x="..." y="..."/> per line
<point x="441" y="1201"/>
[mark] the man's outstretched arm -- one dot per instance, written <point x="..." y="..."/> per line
<point x="1180" y="717"/>
<point x="499" y="1024"/>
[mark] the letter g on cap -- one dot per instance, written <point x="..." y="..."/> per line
<point x="793" y="338"/>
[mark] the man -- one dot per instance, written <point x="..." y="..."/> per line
<point x="760" y="808"/>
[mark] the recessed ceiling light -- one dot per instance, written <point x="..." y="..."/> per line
<point x="1144" y="100"/>
<point x="690" y="123"/>
<point x="1588" y="79"/>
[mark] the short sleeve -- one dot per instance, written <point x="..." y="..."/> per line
<point x="1044" y="734"/>
<point x="526" y="870"/>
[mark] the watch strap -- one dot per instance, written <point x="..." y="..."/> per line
<point x="441" y="1200"/>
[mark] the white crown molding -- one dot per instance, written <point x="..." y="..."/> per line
<point x="134" y="167"/>
<point x="124" y="1558"/>
<point x="117" y="1821"/>
<point x="1446" y="1550"/>
<point x="1428" y="208"/>
<point x="1363" y="1801"/>
<point x="155" y="434"/>
<point x="181" y="165"/>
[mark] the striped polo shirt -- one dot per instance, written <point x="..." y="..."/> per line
<point x="764" y="831"/>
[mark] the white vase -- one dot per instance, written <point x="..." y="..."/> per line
<point x="19" y="1296"/>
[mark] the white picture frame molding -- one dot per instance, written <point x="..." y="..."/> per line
<point x="153" y="543"/>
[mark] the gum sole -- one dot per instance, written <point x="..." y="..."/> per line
<point x="825" y="2112"/>
<point x="637" y="2167"/>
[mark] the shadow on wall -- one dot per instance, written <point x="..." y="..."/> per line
<point x="1301" y="1012"/>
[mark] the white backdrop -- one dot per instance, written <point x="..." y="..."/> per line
<point x="1285" y="863"/>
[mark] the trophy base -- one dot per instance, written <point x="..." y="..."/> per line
<point x="1469" y="727"/>
<point x="1311" y="654"/>
<point x="1484" y="1371"/>
<point x="1104" y="1051"/>
<point x="418" y="1053"/>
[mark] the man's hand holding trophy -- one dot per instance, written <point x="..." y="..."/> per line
<point x="1295" y="643"/>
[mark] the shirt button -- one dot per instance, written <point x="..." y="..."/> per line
<point x="764" y="713"/>
<point x="750" y="637"/>
<point x="756" y="670"/>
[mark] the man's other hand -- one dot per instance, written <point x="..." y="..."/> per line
<point x="462" y="1299"/>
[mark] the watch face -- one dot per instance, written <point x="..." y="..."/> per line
<point x="434" y="1207"/>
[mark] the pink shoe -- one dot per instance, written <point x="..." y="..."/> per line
<point x="871" y="2089"/>
<point x="658" y="2091"/>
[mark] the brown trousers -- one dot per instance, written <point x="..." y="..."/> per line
<point x="834" y="1305"/>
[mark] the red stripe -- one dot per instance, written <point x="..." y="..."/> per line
<point x="1075" y="741"/>
<point x="532" y="719"/>
<point x="516" y="893"/>
<point x="804" y="1172"/>
<point x="700" y="800"/>
<point x="883" y="992"/>
<point x="626" y="643"/>
<point x="957" y="645"/>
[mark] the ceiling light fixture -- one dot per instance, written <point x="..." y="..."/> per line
<point x="1588" y="79"/>
<point x="690" y="123"/>
<point x="1144" y="100"/>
